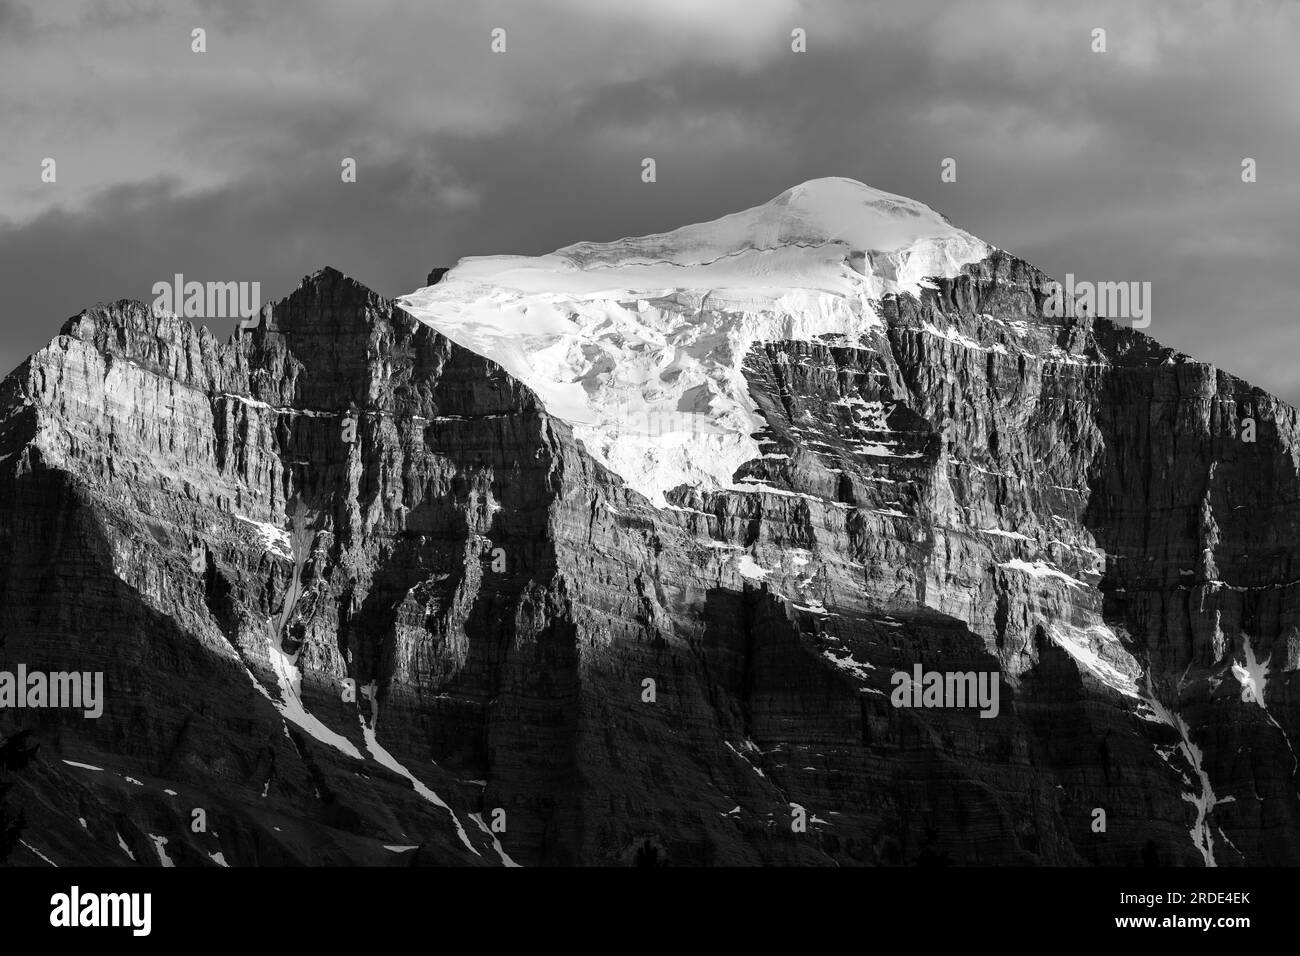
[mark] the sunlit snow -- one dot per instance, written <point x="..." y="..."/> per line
<point x="380" y="754"/>
<point x="638" y="343"/>
<point x="290" y="704"/>
<point x="160" y="845"/>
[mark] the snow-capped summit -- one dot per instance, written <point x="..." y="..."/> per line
<point x="816" y="235"/>
<point x="638" y="343"/>
<point x="833" y="211"/>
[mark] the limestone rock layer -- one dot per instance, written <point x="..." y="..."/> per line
<point x="360" y="599"/>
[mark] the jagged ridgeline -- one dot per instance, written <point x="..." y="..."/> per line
<point x="799" y="537"/>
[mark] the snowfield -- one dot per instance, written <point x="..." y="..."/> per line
<point x="638" y="343"/>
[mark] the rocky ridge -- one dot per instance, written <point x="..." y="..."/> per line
<point x="365" y="645"/>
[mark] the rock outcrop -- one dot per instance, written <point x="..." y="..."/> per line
<point x="360" y="598"/>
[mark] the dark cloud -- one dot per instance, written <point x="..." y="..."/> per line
<point x="1115" y="166"/>
<point x="269" y="232"/>
<point x="16" y="20"/>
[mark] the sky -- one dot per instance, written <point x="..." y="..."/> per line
<point x="225" y="165"/>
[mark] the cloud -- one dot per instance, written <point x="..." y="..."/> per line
<point x="16" y="21"/>
<point x="1121" y="165"/>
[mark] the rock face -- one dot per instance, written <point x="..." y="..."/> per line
<point x="359" y="597"/>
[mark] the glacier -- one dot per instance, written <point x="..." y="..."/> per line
<point x="638" y="343"/>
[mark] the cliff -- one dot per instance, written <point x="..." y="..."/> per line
<point x="358" y="592"/>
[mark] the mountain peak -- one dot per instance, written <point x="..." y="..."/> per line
<point x="835" y="208"/>
<point x="645" y="336"/>
<point x="831" y="234"/>
<point x="325" y="285"/>
<point x="836" y="212"/>
<point x="329" y="277"/>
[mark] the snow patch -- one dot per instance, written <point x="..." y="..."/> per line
<point x="160" y="845"/>
<point x="1005" y="534"/>
<point x="382" y="756"/>
<point x="1201" y="795"/>
<point x="1040" y="569"/>
<point x="1085" y="646"/>
<point x="496" y="843"/>
<point x="748" y="568"/>
<point x="290" y="705"/>
<point x="952" y="335"/>
<point x="83" y="766"/>
<point x="850" y="666"/>
<point x="39" y="853"/>
<point x="1253" y="678"/>
<point x="749" y="745"/>
<point x="270" y="537"/>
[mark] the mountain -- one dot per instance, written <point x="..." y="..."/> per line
<point x="639" y="344"/>
<point x="631" y="554"/>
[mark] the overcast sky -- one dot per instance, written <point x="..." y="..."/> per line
<point x="225" y="165"/>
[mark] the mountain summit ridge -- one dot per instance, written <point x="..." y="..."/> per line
<point x="830" y="210"/>
<point x="638" y="343"/>
<point x="802" y="238"/>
